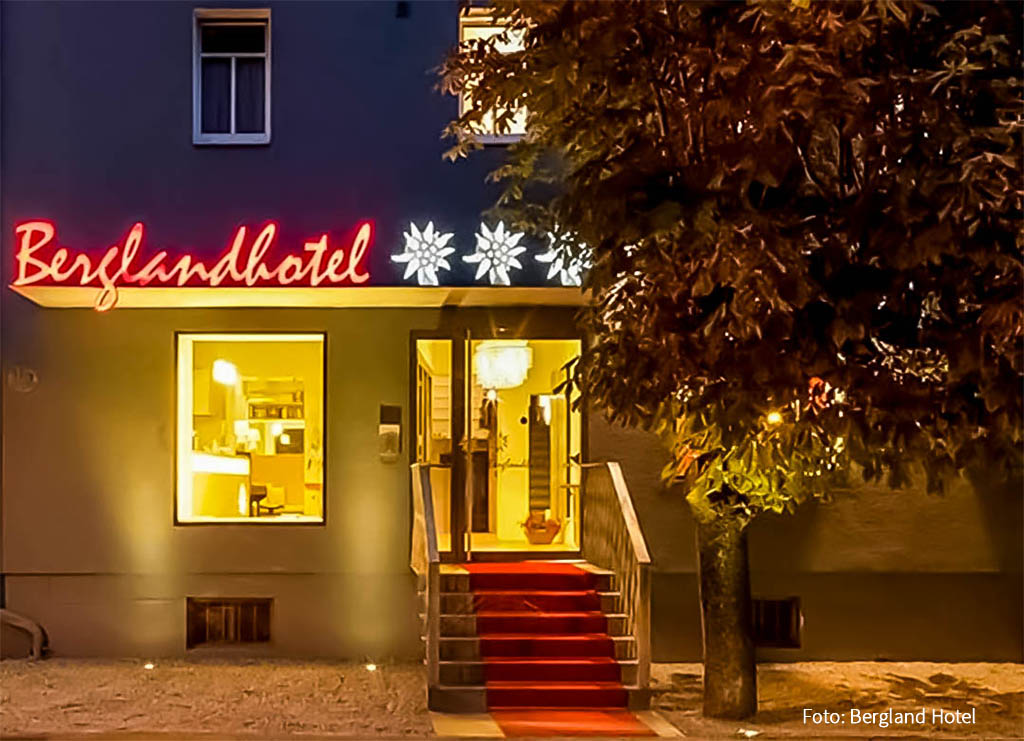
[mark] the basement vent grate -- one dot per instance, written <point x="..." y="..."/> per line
<point x="777" y="622"/>
<point x="226" y="621"/>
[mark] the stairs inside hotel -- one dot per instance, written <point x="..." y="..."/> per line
<point x="533" y="635"/>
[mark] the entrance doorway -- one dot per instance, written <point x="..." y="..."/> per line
<point x="496" y="427"/>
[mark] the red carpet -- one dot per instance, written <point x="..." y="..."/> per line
<point x="541" y="723"/>
<point x="549" y="662"/>
<point x="548" y="659"/>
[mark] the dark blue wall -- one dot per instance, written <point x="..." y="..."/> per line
<point x="97" y="130"/>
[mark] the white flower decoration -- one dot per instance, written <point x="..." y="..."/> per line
<point x="568" y="258"/>
<point x="425" y="253"/>
<point x="496" y="251"/>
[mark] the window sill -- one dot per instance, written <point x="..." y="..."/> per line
<point x="498" y="140"/>
<point x="230" y="139"/>
<point x="265" y="521"/>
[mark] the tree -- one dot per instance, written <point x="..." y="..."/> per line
<point x="805" y="223"/>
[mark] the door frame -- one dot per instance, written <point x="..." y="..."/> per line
<point x="461" y="363"/>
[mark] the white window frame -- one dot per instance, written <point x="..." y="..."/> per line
<point x="184" y="348"/>
<point x="235" y="16"/>
<point x="481" y="16"/>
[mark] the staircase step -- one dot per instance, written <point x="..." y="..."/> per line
<point x="502" y="695"/>
<point x="461" y="603"/>
<point x="537" y="601"/>
<point x="570" y="581"/>
<point x="539" y="669"/>
<point x="473" y="672"/>
<point x="462" y="699"/>
<point x="505" y="577"/>
<point x="467" y="648"/>
<point x="455" y="582"/>
<point x="520" y="645"/>
<point x="601" y="669"/>
<point x="540" y="622"/>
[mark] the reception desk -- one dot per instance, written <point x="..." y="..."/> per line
<point x="220" y="485"/>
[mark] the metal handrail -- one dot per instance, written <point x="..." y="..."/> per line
<point x="425" y="561"/>
<point x="612" y="539"/>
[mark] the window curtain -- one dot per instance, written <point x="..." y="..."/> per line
<point x="249" y="96"/>
<point x="216" y="96"/>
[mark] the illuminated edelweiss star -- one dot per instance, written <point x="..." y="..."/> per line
<point x="496" y="251"/>
<point x="568" y="258"/>
<point x="425" y="253"/>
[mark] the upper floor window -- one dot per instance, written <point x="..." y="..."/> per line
<point x="477" y="23"/>
<point x="231" y="77"/>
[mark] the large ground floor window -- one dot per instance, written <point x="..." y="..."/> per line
<point x="250" y="428"/>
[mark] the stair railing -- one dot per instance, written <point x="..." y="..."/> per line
<point x="612" y="540"/>
<point x="425" y="561"/>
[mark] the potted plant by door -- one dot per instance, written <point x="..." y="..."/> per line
<point x="540" y="529"/>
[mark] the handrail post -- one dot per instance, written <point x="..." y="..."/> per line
<point x="612" y="539"/>
<point x="426" y="562"/>
<point x="643" y="626"/>
<point x="433" y="624"/>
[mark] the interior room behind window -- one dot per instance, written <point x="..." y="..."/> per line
<point x="250" y="428"/>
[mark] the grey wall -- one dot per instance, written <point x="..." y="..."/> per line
<point x="880" y="573"/>
<point x="97" y="128"/>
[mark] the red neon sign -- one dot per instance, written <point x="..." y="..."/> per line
<point x="39" y="261"/>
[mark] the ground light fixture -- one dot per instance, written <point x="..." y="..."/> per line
<point x="773" y="418"/>
<point x="149" y="665"/>
<point x="371" y="667"/>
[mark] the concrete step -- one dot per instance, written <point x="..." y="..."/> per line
<point x="465" y="625"/>
<point x="455" y="673"/>
<point x="474" y="698"/>
<point x="463" y="699"/>
<point x="530" y="623"/>
<point x="460" y="603"/>
<point x="467" y="648"/>
<point x="602" y="580"/>
<point x="556" y="695"/>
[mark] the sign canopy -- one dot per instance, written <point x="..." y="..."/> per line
<point x="251" y="271"/>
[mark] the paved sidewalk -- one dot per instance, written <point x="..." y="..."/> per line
<point x="265" y="699"/>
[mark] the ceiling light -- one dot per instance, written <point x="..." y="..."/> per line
<point x="502" y="364"/>
<point x="225" y="372"/>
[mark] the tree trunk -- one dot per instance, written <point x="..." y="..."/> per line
<point x="730" y="672"/>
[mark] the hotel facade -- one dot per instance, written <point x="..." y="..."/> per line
<point x="269" y="370"/>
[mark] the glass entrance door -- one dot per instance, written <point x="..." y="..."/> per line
<point x="495" y="424"/>
<point x="525" y="446"/>
<point x="434" y="447"/>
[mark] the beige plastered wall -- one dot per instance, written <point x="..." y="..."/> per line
<point x="89" y="544"/>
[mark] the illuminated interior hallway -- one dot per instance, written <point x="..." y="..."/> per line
<point x="521" y="472"/>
